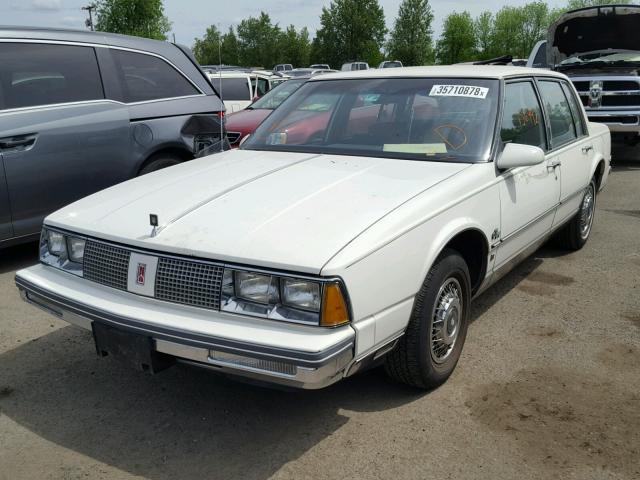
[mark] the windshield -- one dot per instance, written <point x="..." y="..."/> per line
<point x="606" y="56"/>
<point x="232" y="88"/>
<point x="408" y="118"/>
<point x="277" y="95"/>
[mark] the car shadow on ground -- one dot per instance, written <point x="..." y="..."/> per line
<point x="17" y="257"/>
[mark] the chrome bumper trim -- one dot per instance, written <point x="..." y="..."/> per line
<point x="312" y="369"/>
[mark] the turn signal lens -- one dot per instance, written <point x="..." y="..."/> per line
<point x="334" y="307"/>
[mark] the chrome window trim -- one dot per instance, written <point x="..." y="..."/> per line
<point x="113" y="47"/>
<point x="49" y="106"/>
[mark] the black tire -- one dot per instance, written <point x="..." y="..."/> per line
<point x="573" y="235"/>
<point x="159" y="162"/>
<point x="412" y="361"/>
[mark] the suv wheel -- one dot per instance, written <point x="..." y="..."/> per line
<point x="159" y="162"/>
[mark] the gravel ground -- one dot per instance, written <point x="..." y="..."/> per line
<point x="548" y="386"/>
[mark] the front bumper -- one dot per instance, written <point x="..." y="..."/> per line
<point x="625" y="121"/>
<point x="291" y="355"/>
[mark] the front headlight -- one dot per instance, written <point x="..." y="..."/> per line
<point x="76" y="249"/>
<point x="301" y="294"/>
<point x="256" y="287"/>
<point x="281" y="297"/>
<point x="62" y="251"/>
<point x="56" y="243"/>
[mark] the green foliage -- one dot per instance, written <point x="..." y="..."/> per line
<point x="458" y="40"/>
<point x="206" y="49"/>
<point x="411" y="40"/>
<point x="295" y="47"/>
<point x="483" y="26"/>
<point x="143" y="18"/>
<point x="350" y="30"/>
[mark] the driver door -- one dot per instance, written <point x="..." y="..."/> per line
<point x="529" y="196"/>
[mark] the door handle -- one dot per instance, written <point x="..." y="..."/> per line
<point x="554" y="164"/>
<point x="20" y="143"/>
<point x="586" y="149"/>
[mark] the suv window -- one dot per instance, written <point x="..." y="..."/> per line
<point x="522" y="117"/>
<point x="34" y="74"/>
<point x="562" y="128"/>
<point x="576" y="110"/>
<point x="145" y="77"/>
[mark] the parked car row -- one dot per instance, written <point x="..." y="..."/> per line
<point x="351" y="229"/>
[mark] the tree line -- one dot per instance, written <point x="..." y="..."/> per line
<point x="353" y="30"/>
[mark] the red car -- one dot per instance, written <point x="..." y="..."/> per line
<point x="244" y="122"/>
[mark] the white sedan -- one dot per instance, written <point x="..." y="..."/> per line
<point x="353" y="228"/>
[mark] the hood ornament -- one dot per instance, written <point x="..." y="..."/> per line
<point x="153" y="221"/>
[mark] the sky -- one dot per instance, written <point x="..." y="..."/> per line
<point x="190" y="18"/>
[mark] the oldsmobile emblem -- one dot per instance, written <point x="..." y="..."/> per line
<point x="140" y="273"/>
<point x="595" y="94"/>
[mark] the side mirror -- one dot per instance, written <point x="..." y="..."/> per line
<point x="519" y="155"/>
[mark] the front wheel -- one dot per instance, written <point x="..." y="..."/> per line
<point x="575" y="234"/>
<point x="429" y="350"/>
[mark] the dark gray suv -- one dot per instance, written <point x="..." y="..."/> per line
<point x="81" y="111"/>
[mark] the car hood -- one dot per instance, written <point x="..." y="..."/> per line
<point x="246" y="121"/>
<point x="290" y="211"/>
<point x="593" y="29"/>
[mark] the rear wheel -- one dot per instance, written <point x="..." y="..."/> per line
<point x="575" y="234"/>
<point x="429" y="350"/>
<point x="159" y="162"/>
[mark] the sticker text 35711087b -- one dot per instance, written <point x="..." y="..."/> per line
<point x="458" y="91"/>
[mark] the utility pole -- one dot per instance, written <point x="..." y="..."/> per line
<point x="89" y="21"/>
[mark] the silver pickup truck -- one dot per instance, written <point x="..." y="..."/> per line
<point x="599" y="49"/>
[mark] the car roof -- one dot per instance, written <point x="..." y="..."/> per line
<point x="462" y="71"/>
<point x="85" y="36"/>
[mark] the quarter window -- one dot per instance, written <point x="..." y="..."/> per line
<point x="563" y="129"/>
<point x="33" y="74"/>
<point x="146" y="77"/>
<point x="522" y="120"/>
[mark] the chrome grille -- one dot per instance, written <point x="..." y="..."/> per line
<point x="610" y="92"/>
<point x="190" y="283"/>
<point x="106" y="264"/>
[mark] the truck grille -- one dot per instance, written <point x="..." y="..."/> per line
<point x="106" y="264"/>
<point x="613" y="93"/>
<point x="188" y="282"/>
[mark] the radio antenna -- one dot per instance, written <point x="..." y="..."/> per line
<point x="220" y="79"/>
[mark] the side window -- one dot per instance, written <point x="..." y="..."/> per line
<point x="556" y="105"/>
<point x="540" y="60"/>
<point x="576" y="110"/>
<point x="522" y="120"/>
<point x="33" y="74"/>
<point x="145" y="77"/>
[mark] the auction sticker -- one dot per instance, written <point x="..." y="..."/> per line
<point x="458" y="91"/>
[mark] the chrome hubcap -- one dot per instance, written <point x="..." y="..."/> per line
<point x="447" y="315"/>
<point x="586" y="212"/>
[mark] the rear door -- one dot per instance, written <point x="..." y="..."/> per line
<point x="60" y="138"/>
<point x="570" y="143"/>
<point x="6" y="230"/>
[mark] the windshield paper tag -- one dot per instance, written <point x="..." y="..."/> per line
<point x="458" y="91"/>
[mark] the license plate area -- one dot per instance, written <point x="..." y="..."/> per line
<point x="131" y="348"/>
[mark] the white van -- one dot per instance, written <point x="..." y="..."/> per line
<point x="234" y="88"/>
